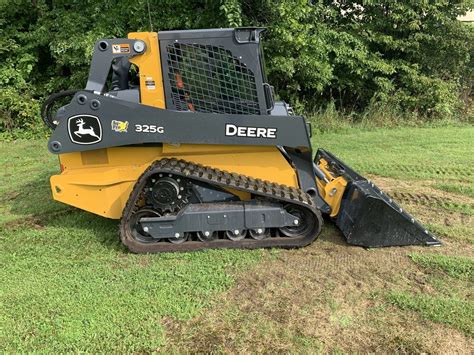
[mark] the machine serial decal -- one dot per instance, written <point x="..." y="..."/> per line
<point x="119" y="126"/>
<point x="251" y="132"/>
<point x="149" y="128"/>
<point x="84" y="129"/>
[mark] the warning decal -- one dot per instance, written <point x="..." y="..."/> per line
<point x="150" y="83"/>
<point x="120" y="48"/>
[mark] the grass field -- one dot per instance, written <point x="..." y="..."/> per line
<point x="68" y="285"/>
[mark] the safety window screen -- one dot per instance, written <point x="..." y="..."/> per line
<point x="207" y="78"/>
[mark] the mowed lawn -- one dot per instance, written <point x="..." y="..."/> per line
<point x="68" y="285"/>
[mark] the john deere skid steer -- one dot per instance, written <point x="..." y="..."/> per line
<point x="178" y="134"/>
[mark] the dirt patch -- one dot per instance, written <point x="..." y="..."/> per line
<point x="33" y="222"/>
<point x="434" y="207"/>
<point x="325" y="297"/>
<point x="422" y="192"/>
<point x="330" y="297"/>
<point x="10" y="196"/>
<point x="39" y="221"/>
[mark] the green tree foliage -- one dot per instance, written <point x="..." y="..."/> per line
<point x="412" y="55"/>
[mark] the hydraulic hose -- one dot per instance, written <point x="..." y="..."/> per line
<point x="47" y="107"/>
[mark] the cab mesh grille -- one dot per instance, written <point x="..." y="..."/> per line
<point x="207" y="78"/>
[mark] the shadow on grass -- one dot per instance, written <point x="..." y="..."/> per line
<point x="32" y="198"/>
<point x="331" y="234"/>
<point x="88" y="227"/>
<point x="31" y="206"/>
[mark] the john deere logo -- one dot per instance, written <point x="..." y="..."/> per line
<point x="84" y="129"/>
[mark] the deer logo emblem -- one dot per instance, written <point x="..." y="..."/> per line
<point x="90" y="131"/>
<point x="84" y="129"/>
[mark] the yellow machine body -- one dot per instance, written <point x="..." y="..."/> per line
<point x="180" y="198"/>
<point x="100" y="181"/>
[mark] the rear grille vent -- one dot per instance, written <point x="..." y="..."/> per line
<point x="205" y="78"/>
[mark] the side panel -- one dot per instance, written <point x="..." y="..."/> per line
<point x="100" y="181"/>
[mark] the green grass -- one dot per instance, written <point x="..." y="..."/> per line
<point x="455" y="312"/>
<point x="406" y="153"/>
<point x="69" y="285"/>
<point x="376" y="116"/>
<point x="456" y="232"/>
<point x="467" y="190"/>
<point x="451" y="303"/>
<point x="455" y="266"/>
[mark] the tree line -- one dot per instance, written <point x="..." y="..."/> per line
<point x="412" y="56"/>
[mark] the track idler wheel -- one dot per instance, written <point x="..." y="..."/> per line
<point x="303" y="223"/>
<point x="135" y="228"/>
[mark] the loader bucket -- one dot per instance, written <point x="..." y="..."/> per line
<point x="370" y="218"/>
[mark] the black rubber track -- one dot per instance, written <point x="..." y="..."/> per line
<point x="266" y="189"/>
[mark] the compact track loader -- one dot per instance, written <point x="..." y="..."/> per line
<point x="177" y="134"/>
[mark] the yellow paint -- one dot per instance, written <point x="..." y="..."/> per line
<point x="149" y="64"/>
<point x="103" y="188"/>
<point x="332" y="191"/>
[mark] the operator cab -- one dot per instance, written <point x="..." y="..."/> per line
<point x="225" y="75"/>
